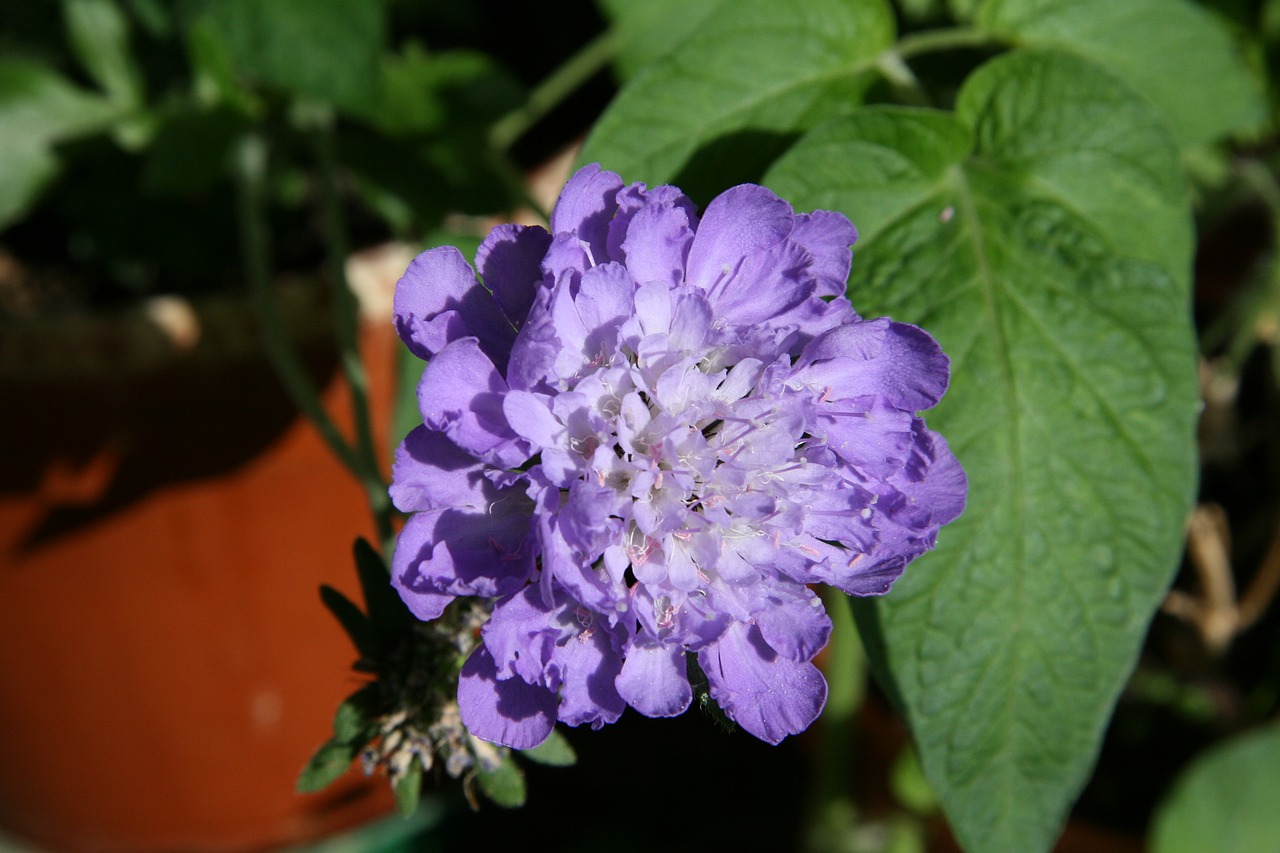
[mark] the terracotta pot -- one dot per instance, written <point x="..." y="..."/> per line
<point x="166" y="519"/>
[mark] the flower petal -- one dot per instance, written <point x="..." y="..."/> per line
<point x="634" y="198"/>
<point x="764" y="287"/>
<point x="653" y="680"/>
<point x="827" y="235"/>
<point x="944" y="487"/>
<point x="439" y="300"/>
<point x="509" y="712"/>
<point x="510" y="261"/>
<point x="896" y="361"/>
<point x="451" y="552"/>
<point x="792" y="621"/>
<point x="585" y="207"/>
<point x="737" y="223"/>
<point x="657" y="244"/>
<point x="461" y="395"/>
<point x="430" y="472"/>
<point x="529" y="416"/>
<point x="765" y="693"/>
<point x="589" y="667"/>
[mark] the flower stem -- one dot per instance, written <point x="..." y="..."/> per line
<point x="255" y="247"/>
<point x="892" y="64"/>
<point x="579" y="68"/>
<point x="833" y="809"/>
<point x="949" y="38"/>
<point x="346" y="331"/>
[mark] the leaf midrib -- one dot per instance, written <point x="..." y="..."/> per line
<point x="967" y="212"/>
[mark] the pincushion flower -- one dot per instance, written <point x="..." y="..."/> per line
<point x="645" y="434"/>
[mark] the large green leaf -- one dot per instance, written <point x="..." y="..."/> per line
<point x="1042" y="235"/>
<point x="753" y="74"/>
<point x="1174" y="52"/>
<point x="646" y="31"/>
<point x="1226" y="801"/>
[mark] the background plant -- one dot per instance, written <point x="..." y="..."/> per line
<point x="1031" y="180"/>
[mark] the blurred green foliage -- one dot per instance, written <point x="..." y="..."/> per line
<point x="120" y="119"/>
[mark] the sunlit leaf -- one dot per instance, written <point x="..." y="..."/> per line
<point x="753" y="75"/>
<point x="1042" y="235"/>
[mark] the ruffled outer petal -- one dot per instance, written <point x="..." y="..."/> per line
<point x="461" y="395"/>
<point x="767" y="694"/>
<point x="827" y="235"/>
<point x="874" y="438"/>
<point x="510" y="261"/>
<point x="443" y="553"/>
<point x="439" y="300"/>
<point x="657" y="244"/>
<point x="589" y="667"/>
<point x="896" y="361"/>
<point x="765" y="286"/>
<point x="737" y="223"/>
<point x="561" y="648"/>
<point x="586" y="206"/>
<point x="430" y="472"/>
<point x="792" y="621"/>
<point x="653" y="680"/>
<point x="944" y="486"/>
<point x="632" y="199"/>
<point x="509" y="712"/>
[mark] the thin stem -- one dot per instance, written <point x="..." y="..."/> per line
<point x="518" y="188"/>
<point x="346" y="330"/>
<point x="579" y="68"/>
<point x="834" y="812"/>
<point x="951" y="38"/>
<point x="902" y="79"/>
<point x="255" y="247"/>
<point x="1263" y="588"/>
<point x="892" y="64"/>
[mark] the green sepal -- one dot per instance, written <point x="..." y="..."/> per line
<point x="329" y="762"/>
<point x="386" y="610"/>
<point x="503" y="784"/>
<point x="408" y="789"/>
<point x="354" y="721"/>
<point x="358" y="627"/>
<point x="555" y="751"/>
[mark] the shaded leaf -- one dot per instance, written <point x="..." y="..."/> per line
<point x="355" y="720"/>
<point x="386" y="610"/>
<point x="329" y="50"/>
<point x="1048" y="250"/>
<point x="191" y="151"/>
<point x="433" y="92"/>
<point x="650" y="30"/>
<point x="1226" y="800"/>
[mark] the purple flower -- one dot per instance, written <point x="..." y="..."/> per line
<point x="644" y="435"/>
